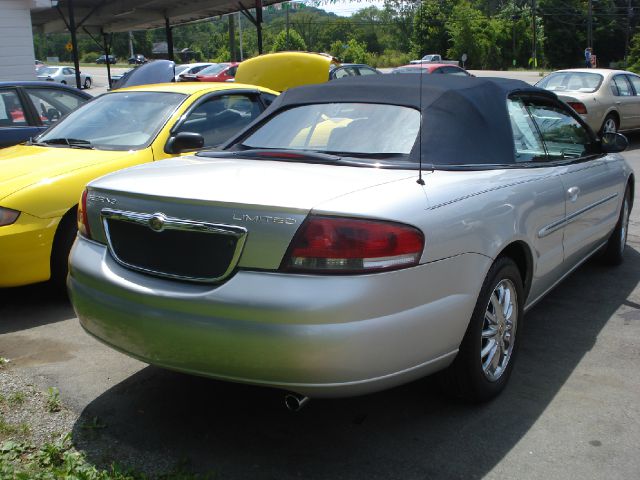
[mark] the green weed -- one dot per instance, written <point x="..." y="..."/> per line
<point x="53" y="400"/>
<point x="16" y="398"/>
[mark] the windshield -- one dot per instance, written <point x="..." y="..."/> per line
<point x="214" y="69"/>
<point x="341" y="128"/>
<point x="117" y="121"/>
<point x="48" y="71"/>
<point x="571" y="82"/>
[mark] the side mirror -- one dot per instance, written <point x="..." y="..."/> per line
<point x="53" y="115"/>
<point x="613" y="142"/>
<point x="184" y="142"/>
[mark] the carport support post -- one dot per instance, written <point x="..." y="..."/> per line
<point x="259" y="24"/>
<point x="107" y="52"/>
<point x="74" y="42"/>
<point x="169" y="35"/>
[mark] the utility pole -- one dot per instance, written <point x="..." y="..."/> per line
<point x="286" y="6"/>
<point x="130" y="43"/>
<point x="240" y="35"/>
<point x="590" y="25"/>
<point x="628" y="32"/>
<point x="534" y="26"/>
<point x="232" y="37"/>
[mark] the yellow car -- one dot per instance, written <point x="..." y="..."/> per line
<point x="41" y="182"/>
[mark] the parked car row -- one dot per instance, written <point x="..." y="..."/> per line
<point x="136" y="59"/>
<point x="63" y="75"/>
<point x="385" y="227"/>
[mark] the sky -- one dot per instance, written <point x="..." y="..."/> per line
<point x="344" y="8"/>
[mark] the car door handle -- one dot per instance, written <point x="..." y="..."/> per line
<point x="572" y="194"/>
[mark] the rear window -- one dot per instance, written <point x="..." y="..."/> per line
<point x="571" y="82"/>
<point x="341" y="128"/>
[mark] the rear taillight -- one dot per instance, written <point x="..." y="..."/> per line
<point x="83" y="221"/>
<point x="579" y="107"/>
<point x="349" y="245"/>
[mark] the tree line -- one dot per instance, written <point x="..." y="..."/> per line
<point x="494" y="34"/>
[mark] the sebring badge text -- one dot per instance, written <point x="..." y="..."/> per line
<point x="243" y="217"/>
<point x="101" y="199"/>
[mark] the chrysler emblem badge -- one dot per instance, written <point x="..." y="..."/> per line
<point x="156" y="222"/>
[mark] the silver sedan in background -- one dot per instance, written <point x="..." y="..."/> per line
<point x="608" y="100"/>
<point x="362" y="234"/>
<point x="64" y="75"/>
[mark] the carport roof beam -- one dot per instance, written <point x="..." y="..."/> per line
<point x="125" y="15"/>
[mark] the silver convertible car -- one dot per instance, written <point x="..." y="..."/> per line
<point x="360" y="234"/>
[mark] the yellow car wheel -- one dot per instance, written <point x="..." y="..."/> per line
<point x="62" y="243"/>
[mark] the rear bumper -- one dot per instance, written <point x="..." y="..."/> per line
<point x="315" y="335"/>
<point x="25" y="250"/>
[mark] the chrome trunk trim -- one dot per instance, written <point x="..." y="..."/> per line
<point x="172" y="223"/>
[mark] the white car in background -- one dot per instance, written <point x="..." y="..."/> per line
<point x="607" y="100"/>
<point x="189" y="69"/>
<point x="64" y="75"/>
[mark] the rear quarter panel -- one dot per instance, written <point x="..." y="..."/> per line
<point x="479" y="212"/>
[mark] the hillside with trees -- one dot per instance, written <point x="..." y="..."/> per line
<point x="495" y="34"/>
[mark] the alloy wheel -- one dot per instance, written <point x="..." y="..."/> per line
<point x="499" y="330"/>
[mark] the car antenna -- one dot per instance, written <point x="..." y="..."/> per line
<point x="420" y="180"/>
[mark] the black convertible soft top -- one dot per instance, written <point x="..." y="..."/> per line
<point x="465" y="120"/>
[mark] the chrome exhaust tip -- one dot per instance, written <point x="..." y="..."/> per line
<point x="295" y="402"/>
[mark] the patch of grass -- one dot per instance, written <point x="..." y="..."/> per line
<point x="16" y="398"/>
<point x="7" y="428"/>
<point x="56" y="460"/>
<point x="3" y="362"/>
<point x="53" y="400"/>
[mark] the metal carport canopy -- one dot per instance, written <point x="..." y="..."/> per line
<point x="105" y="16"/>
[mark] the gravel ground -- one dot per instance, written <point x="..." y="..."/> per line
<point x="31" y="414"/>
<point x="26" y="416"/>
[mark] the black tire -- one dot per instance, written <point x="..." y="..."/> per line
<point x="467" y="377"/>
<point x="63" y="82"/>
<point x="610" y="124"/>
<point x="62" y="242"/>
<point x="613" y="253"/>
<point x="87" y="83"/>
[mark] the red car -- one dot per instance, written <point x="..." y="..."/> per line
<point x="432" y="68"/>
<point x="218" y="72"/>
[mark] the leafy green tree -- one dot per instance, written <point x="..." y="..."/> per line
<point x="351" y="52"/>
<point x="633" y="60"/>
<point x="430" y="34"/>
<point x="294" y="42"/>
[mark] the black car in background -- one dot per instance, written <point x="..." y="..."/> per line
<point x="103" y="59"/>
<point x="28" y="108"/>
<point x="137" y="59"/>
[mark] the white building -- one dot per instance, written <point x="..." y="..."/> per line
<point x="16" y="39"/>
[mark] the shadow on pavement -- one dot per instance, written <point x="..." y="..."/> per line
<point x="634" y="140"/>
<point x="156" y="419"/>
<point x="27" y="307"/>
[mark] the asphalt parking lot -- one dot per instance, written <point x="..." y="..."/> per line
<point x="100" y="80"/>
<point x="570" y="411"/>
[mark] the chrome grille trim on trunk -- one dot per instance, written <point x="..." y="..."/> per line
<point x="232" y="237"/>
